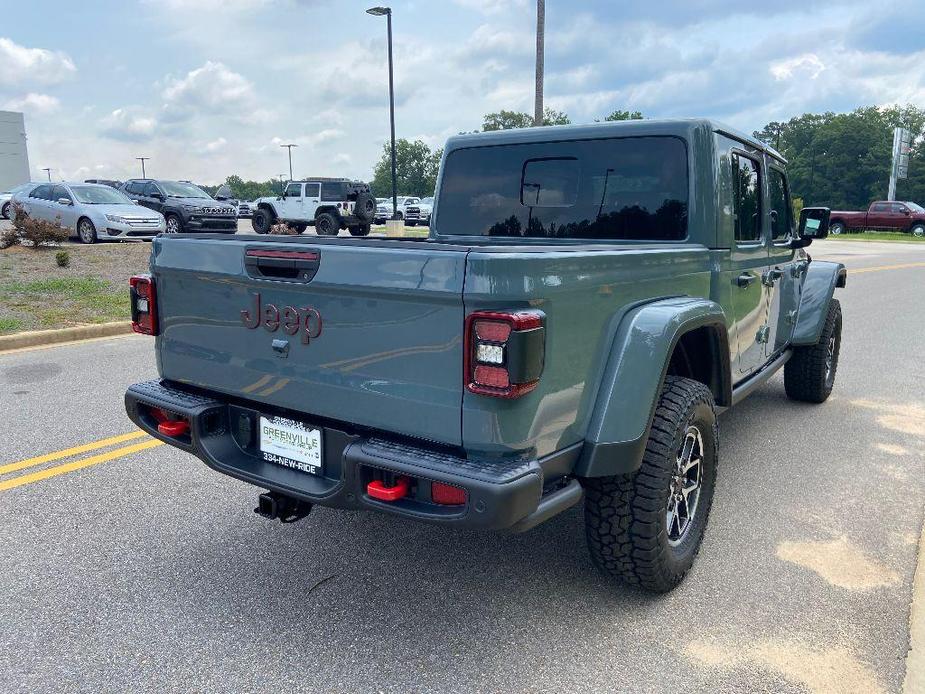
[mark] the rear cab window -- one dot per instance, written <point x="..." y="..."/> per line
<point x="627" y="188"/>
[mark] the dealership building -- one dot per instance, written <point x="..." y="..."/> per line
<point x="14" y="158"/>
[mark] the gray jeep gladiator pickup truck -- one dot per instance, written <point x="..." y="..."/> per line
<point x="589" y="298"/>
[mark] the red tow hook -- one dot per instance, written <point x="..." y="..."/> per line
<point x="377" y="490"/>
<point x="178" y="428"/>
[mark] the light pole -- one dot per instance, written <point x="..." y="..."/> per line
<point x="48" y="171"/>
<point x="143" y="160"/>
<point x="379" y="12"/>
<point x="540" y="41"/>
<point x="289" y="147"/>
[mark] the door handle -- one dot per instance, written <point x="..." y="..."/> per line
<point x="771" y="276"/>
<point x="745" y="279"/>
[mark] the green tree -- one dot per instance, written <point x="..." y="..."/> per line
<point x="624" y="115"/>
<point x="416" y="169"/>
<point x="509" y="120"/>
<point x="842" y="160"/>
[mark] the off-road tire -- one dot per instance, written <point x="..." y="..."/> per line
<point x="86" y="231"/>
<point x="359" y="230"/>
<point x="262" y="221"/>
<point x="177" y="224"/>
<point x="326" y="224"/>
<point x="836" y="228"/>
<point x="626" y="515"/>
<point x="810" y="373"/>
<point x="365" y="208"/>
<point x="5" y="211"/>
<point x="918" y="230"/>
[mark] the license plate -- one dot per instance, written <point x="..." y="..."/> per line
<point x="291" y="444"/>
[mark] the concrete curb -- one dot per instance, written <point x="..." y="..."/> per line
<point x="915" y="658"/>
<point x="50" y="337"/>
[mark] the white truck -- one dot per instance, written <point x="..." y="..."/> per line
<point x="328" y="204"/>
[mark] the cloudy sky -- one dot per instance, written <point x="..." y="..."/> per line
<point x="208" y="88"/>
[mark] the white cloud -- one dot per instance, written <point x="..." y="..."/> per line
<point x="39" y="104"/>
<point x="129" y="123"/>
<point x="491" y="6"/>
<point x="806" y="65"/>
<point x="211" y="89"/>
<point x="21" y="65"/>
<point x="214" y="146"/>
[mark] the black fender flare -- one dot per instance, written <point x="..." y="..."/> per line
<point x="822" y="278"/>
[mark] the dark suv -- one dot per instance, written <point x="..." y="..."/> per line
<point x="185" y="207"/>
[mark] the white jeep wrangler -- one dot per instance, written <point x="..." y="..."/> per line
<point x="329" y="204"/>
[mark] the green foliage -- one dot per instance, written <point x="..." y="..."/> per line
<point x="251" y="190"/>
<point x="416" y="169"/>
<point x="797" y="203"/>
<point x="11" y="325"/>
<point x="842" y="160"/>
<point x="63" y="258"/>
<point x="624" y="115"/>
<point x="508" y="120"/>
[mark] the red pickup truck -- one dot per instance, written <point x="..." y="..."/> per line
<point x="882" y="215"/>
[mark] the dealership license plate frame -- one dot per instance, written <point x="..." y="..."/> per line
<point x="292" y="444"/>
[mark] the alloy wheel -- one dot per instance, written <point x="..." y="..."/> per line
<point x="86" y="232"/>
<point x="173" y="225"/>
<point x="684" y="486"/>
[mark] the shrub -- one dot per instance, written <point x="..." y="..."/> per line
<point x="282" y="229"/>
<point x="37" y="232"/>
<point x="63" y="258"/>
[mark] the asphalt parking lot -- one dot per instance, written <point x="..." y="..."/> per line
<point x="130" y="566"/>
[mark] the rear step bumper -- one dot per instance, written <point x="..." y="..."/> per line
<point x="515" y="494"/>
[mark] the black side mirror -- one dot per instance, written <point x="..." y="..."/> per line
<point x="158" y="196"/>
<point x="814" y="224"/>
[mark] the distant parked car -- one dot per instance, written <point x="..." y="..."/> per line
<point x="245" y="209"/>
<point x="185" y="206"/>
<point x="419" y="213"/>
<point x="105" y="181"/>
<point x="91" y="211"/>
<point x="384" y="210"/>
<point x="882" y="215"/>
<point x="7" y="195"/>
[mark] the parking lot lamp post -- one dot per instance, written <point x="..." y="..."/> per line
<point x="540" y="51"/>
<point x="143" y="160"/>
<point x="387" y="12"/>
<point x="289" y="147"/>
<point x="48" y="171"/>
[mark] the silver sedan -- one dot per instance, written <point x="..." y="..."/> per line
<point x="92" y="212"/>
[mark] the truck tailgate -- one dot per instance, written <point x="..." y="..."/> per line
<point x="373" y="338"/>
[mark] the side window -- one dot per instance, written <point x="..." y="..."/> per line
<point x="331" y="191"/>
<point x="880" y="207"/>
<point x="782" y="217"/>
<point x="294" y="190"/>
<point x="59" y="192"/>
<point x="311" y="190"/>
<point x="898" y="208"/>
<point x="549" y="182"/>
<point x="42" y="192"/>
<point x="747" y="199"/>
<point x="134" y="188"/>
<point x="149" y="189"/>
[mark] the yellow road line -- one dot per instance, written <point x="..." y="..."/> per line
<point x="884" y="267"/>
<point x="68" y="452"/>
<point x="77" y="464"/>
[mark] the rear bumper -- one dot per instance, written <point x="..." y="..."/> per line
<point x="513" y="494"/>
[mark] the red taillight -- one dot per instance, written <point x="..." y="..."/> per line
<point x="505" y="352"/>
<point x="144" y="304"/>
<point x="447" y="494"/>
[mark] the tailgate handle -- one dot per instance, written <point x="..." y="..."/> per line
<point x="289" y="266"/>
